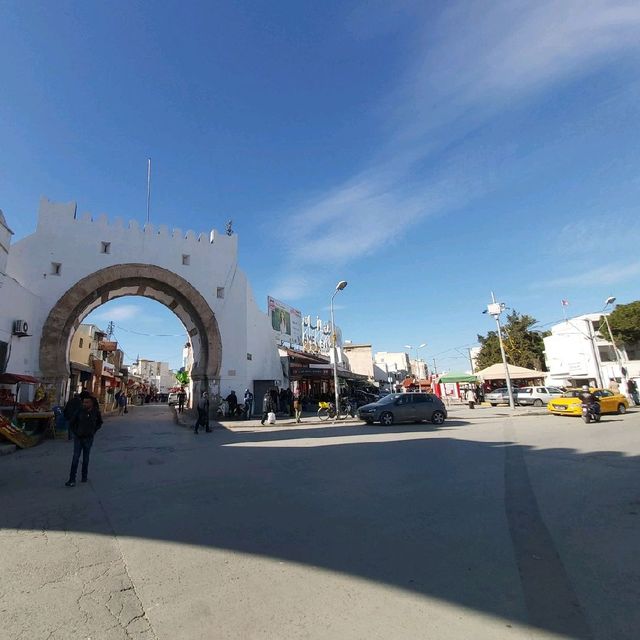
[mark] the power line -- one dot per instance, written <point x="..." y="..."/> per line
<point x="153" y="335"/>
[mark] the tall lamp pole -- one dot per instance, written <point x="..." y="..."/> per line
<point x="495" y="309"/>
<point x="608" y="301"/>
<point x="339" y="287"/>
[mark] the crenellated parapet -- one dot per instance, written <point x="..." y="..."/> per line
<point x="62" y="216"/>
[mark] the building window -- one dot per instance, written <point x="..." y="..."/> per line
<point x="186" y="259"/>
<point x="81" y="342"/>
<point x="220" y="292"/>
<point x="56" y="268"/>
<point x="105" y="247"/>
<point x="607" y="354"/>
<point x="249" y="356"/>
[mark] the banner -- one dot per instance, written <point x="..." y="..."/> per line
<point x="107" y="346"/>
<point x="285" y="321"/>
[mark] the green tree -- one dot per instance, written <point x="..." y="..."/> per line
<point x="182" y="376"/>
<point x="523" y="347"/>
<point x="625" y="324"/>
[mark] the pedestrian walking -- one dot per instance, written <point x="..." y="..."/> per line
<point x="122" y="404"/>
<point x="470" y="397"/>
<point x="614" y="387"/>
<point x="632" y="388"/>
<point x="248" y="404"/>
<point x="182" y="396"/>
<point x="203" y="413"/>
<point x="232" y="403"/>
<point x="267" y="405"/>
<point x="83" y="423"/>
<point x="297" y="406"/>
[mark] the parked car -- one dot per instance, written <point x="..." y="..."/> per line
<point x="173" y="398"/>
<point x="404" y="407"/>
<point x="570" y="403"/>
<point x="500" y="396"/>
<point x="537" y="396"/>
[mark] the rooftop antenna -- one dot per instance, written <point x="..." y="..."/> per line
<point x="148" y="188"/>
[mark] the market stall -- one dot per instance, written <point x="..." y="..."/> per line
<point x="24" y="423"/>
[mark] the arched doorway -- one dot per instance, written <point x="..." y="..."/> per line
<point x="116" y="281"/>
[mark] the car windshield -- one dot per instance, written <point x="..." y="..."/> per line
<point x="389" y="398"/>
<point x="571" y="393"/>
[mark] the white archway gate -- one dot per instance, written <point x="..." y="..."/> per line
<point x="113" y="282"/>
<point x="74" y="263"/>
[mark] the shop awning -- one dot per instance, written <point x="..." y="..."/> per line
<point x="496" y="372"/>
<point x="78" y="366"/>
<point x="15" y="378"/>
<point x="457" y="377"/>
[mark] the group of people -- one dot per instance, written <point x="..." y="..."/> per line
<point x="288" y="402"/>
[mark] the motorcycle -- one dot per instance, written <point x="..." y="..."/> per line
<point x="591" y="412"/>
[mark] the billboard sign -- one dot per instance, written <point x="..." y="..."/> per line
<point x="105" y="345"/>
<point x="285" y="321"/>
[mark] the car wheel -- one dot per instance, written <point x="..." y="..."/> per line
<point x="622" y="409"/>
<point x="386" y="419"/>
<point x="493" y="404"/>
<point x="437" y="417"/>
<point x="537" y="402"/>
<point x="369" y="421"/>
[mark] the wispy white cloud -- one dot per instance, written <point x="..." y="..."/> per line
<point x="117" y="313"/>
<point x="612" y="273"/>
<point x="469" y="63"/>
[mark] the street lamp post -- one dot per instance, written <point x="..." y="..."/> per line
<point x="339" y="287"/>
<point x="408" y="346"/>
<point x="495" y="309"/>
<point x="608" y="301"/>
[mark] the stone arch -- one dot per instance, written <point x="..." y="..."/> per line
<point x="145" y="280"/>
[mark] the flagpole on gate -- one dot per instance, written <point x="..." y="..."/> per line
<point x="148" y="188"/>
<point x="565" y="304"/>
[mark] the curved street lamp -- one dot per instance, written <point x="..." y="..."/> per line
<point x="339" y="287"/>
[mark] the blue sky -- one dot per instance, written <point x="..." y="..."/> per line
<point x="427" y="152"/>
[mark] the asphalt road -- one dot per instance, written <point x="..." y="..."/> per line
<point x="487" y="527"/>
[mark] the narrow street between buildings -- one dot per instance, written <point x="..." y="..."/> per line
<point x="485" y="527"/>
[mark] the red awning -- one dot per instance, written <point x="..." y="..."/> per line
<point x="14" y="378"/>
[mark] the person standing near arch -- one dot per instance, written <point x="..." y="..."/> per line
<point x="203" y="413"/>
<point x="83" y="424"/>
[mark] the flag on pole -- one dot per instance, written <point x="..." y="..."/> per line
<point x="565" y="303"/>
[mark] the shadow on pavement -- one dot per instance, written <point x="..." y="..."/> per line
<point x="406" y="506"/>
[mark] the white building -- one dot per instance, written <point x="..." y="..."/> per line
<point x="74" y="263"/>
<point x="155" y="373"/>
<point x="577" y="354"/>
<point x="391" y="367"/>
<point x="17" y="350"/>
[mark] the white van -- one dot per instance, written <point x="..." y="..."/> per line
<point x="537" y="396"/>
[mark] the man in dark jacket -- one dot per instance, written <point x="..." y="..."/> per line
<point x="267" y="406"/>
<point x="232" y="401"/>
<point x="84" y="423"/>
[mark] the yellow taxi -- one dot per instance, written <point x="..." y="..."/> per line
<point x="570" y="404"/>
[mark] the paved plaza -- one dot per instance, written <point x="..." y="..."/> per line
<point x="488" y="527"/>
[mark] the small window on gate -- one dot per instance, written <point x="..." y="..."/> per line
<point x="105" y="247"/>
<point x="186" y="259"/>
<point x="56" y="268"/>
<point x="220" y="292"/>
<point x="81" y="343"/>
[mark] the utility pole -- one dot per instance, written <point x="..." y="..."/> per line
<point x="110" y="328"/>
<point x="495" y="309"/>
<point x="435" y="367"/>
<point x="470" y="361"/>
<point x="594" y="350"/>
